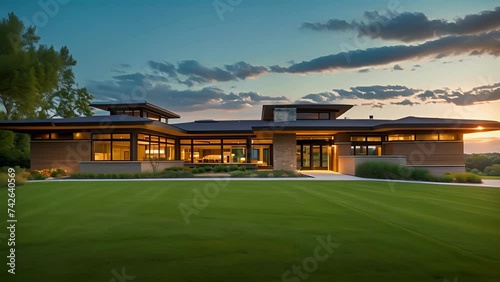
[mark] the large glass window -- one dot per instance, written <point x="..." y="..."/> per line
<point x="102" y="150"/>
<point x="261" y="155"/>
<point x="121" y="151"/>
<point x="155" y="147"/>
<point x="105" y="148"/>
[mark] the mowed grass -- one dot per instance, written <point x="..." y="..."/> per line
<point x="253" y="231"/>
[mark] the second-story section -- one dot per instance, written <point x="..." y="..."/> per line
<point x="143" y="109"/>
<point x="294" y="112"/>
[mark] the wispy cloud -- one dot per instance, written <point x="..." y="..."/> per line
<point x="404" y="96"/>
<point x="409" y="27"/>
<point x="485" y="43"/>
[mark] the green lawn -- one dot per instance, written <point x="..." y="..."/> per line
<point x="254" y="231"/>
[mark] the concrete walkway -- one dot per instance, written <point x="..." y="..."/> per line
<point x="330" y="175"/>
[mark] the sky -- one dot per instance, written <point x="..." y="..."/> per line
<point x="223" y="59"/>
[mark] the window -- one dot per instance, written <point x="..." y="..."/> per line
<point x="156" y="147"/>
<point x="424" y="137"/>
<point x="43" y="136"/>
<point x="374" y="150"/>
<point x="324" y="115"/>
<point x="306" y="116"/>
<point x="374" y="139"/>
<point x="358" y="138"/>
<point x="121" y="151"/>
<point x="81" y="135"/>
<point x="261" y="155"/>
<point x="401" y="137"/>
<point x="101" y="136"/>
<point x="102" y="150"/>
<point x="447" y="136"/>
<point x="121" y="136"/>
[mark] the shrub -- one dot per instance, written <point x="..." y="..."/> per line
<point x="383" y="170"/>
<point x="21" y="176"/>
<point x="242" y="168"/>
<point x="208" y="168"/>
<point x="475" y="171"/>
<point x="444" y="178"/>
<point x="492" y="170"/>
<point x="176" y="168"/>
<point x="465" y="177"/>
<point x="232" y="168"/>
<point x="220" y="168"/>
<point x="197" y="170"/>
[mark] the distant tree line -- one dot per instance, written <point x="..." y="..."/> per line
<point x="36" y="82"/>
<point x="486" y="164"/>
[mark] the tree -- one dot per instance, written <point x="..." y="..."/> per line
<point x="477" y="161"/>
<point x="36" y="80"/>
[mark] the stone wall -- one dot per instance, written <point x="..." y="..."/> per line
<point x="284" y="152"/>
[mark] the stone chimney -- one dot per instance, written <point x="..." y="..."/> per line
<point x="285" y="114"/>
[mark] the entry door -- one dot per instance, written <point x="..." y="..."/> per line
<point x="312" y="156"/>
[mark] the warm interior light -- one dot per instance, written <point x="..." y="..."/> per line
<point x="479" y="128"/>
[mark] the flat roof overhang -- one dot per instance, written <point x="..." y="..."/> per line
<point x="340" y="109"/>
<point x="135" y="106"/>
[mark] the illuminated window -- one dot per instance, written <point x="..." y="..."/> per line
<point x="121" y="136"/>
<point x="101" y="136"/>
<point x="447" y="136"/>
<point x="81" y="135"/>
<point x="102" y="150"/>
<point x="427" y="137"/>
<point x="374" y="139"/>
<point x="401" y="137"/>
<point x="358" y="138"/>
<point x="121" y="151"/>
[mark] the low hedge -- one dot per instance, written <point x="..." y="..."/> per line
<point x="384" y="170"/>
<point x="265" y="174"/>
<point x="163" y="174"/>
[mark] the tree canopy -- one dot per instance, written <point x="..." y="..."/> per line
<point x="36" y="80"/>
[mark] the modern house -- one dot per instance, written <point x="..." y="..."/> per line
<point x="293" y="137"/>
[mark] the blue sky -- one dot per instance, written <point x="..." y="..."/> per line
<point x="122" y="45"/>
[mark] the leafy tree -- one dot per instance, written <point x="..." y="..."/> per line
<point x="493" y="170"/>
<point x="36" y="81"/>
<point x="477" y="161"/>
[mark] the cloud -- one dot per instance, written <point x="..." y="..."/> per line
<point x="375" y="92"/>
<point x="364" y="70"/>
<point x="485" y="43"/>
<point x="244" y="70"/>
<point x="125" y="65"/>
<point x="405" y="96"/>
<point x="163" y="67"/>
<point x="194" y="69"/>
<point x="155" y="89"/>
<point x="409" y="27"/>
<point x="405" y="102"/>
<point x="477" y="95"/>
<point x="397" y="68"/>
